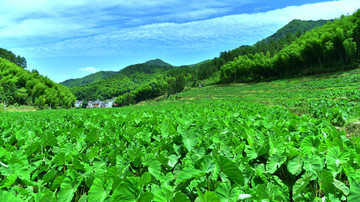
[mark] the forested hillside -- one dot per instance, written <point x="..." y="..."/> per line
<point x="98" y="76"/>
<point x="126" y="80"/>
<point x="18" y="85"/>
<point x="331" y="47"/>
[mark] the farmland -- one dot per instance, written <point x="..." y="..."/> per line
<point x="295" y="139"/>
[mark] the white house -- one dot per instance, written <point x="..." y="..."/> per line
<point x="78" y="103"/>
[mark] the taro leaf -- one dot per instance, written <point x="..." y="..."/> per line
<point x="310" y="145"/>
<point x="251" y="152"/>
<point x="57" y="182"/>
<point x="326" y="182"/>
<point x="187" y="174"/>
<point x="231" y="170"/>
<point x="154" y="166"/>
<point x="173" y="159"/>
<point x="145" y="179"/>
<point x="8" y="181"/>
<point x="354" y="195"/>
<point x="205" y="164"/>
<point x="44" y="196"/>
<point x="313" y="165"/>
<point x="295" y="165"/>
<point x="261" y="193"/>
<point x="163" y="195"/>
<point x="100" y="189"/>
<point x="181" y="197"/>
<point x="67" y="190"/>
<point x="61" y="159"/>
<point x="127" y="191"/>
<point x="8" y="196"/>
<point x="50" y="175"/>
<point x="207" y="197"/>
<point x="226" y="193"/>
<point x="145" y="197"/>
<point x="274" y="162"/>
<point x="276" y="146"/>
<point x="335" y="158"/>
<point x="341" y="186"/>
<point x="301" y="183"/>
<point x="189" y="141"/>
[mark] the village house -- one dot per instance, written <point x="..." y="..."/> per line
<point x="100" y="104"/>
<point x="78" y="103"/>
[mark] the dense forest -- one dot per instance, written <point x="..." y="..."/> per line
<point x="22" y="87"/>
<point x="92" y="78"/>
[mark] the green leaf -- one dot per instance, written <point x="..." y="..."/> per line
<point x="61" y="159"/>
<point x="231" y="170"/>
<point x="189" y="140"/>
<point x="57" y="182"/>
<point x="67" y="190"/>
<point x="335" y="158"/>
<point x="127" y="191"/>
<point x="301" y="183"/>
<point x="313" y="165"/>
<point x="163" y="195"/>
<point x="226" y="193"/>
<point x="187" y="174"/>
<point x="154" y="166"/>
<point x="181" y="197"/>
<point x="274" y="162"/>
<point x="145" y="179"/>
<point x="326" y="182"/>
<point x="277" y="146"/>
<point x="173" y="159"/>
<point x="8" y="196"/>
<point x="100" y="189"/>
<point x="50" y="175"/>
<point x="8" y="181"/>
<point x="310" y="145"/>
<point x="341" y="186"/>
<point x="211" y="197"/>
<point x="354" y="195"/>
<point x="147" y="196"/>
<point x="295" y="165"/>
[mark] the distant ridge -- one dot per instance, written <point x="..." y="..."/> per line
<point x="98" y="76"/>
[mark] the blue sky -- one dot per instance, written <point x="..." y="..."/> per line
<point x="71" y="39"/>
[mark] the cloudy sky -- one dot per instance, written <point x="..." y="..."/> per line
<point x="66" y="39"/>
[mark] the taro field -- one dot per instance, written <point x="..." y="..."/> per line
<point x="286" y="140"/>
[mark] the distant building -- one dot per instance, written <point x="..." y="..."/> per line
<point x="109" y="104"/>
<point x="78" y="103"/>
<point x="100" y="104"/>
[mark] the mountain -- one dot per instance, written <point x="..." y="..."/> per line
<point x="20" y="86"/>
<point x="121" y="82"/>
<point x="88" y="79"/>
<point x="295" y="27"/>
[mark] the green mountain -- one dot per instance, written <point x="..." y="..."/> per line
<point x="127" y="79"/>
<point x="88" y="79"/>
<point x="20" y="86"/>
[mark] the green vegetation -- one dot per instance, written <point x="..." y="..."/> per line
<point x="18" y="60"/>
<point x="92" y="78"/>
<point x="21" y="87"/>
<point x="293" y="138"/>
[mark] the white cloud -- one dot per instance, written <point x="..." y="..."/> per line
<point x="89" y="69"/>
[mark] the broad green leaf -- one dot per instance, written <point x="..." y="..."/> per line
<point x="187" y="174"/>
<point x="189" y="140"/>
<point x="301" y="183"/>
<point x="146" y="197"/>
<point x="231" y="170"/>
<point x="341" y="186"/>
<point x="313" y="165"/>
<point x="127" y="191"/>
<point x="277" y="146"/>
<point x="326" y="182"/>
<point x="50" y="175"/>
<point x="67" y="190"/>
<point x="163" y="195"/>
<point x="295" y="165"/>
<point x="173" y="159"/>
<point x="181" y="197"/>
<point x="274" y="162"/>
<point x="7" y="196"/>
<point x="57" y="182"/>
<point x="145" y="179"/>
<point x="354" y="195"/>
<point x="61" y="159"/>
<point x="100" y="189"/>
<point x="310" y="145"/>
<point x="205" y="164"/>
<point x="154" y="166"/>
<point x="210" y="196"/>
<point x="226" y="193"/>
<point x="8" y="181"/>
<point x="335" y="158"/>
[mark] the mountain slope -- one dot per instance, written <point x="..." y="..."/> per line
<point x="18" y="85"/>
<point x="88" y="79"/>
<point x="123" y="81"/>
